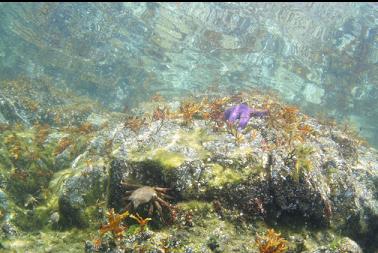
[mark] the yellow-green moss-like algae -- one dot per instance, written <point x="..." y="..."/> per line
<point x="194" y="139"/>
<point x="169" y="160"/>
<point x="223" y="176"/>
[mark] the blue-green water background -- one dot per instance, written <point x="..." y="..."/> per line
<point x="320" y="56"/>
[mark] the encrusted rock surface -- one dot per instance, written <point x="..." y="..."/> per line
<point x="283" y="168"/>
<point x="326" y="179"/>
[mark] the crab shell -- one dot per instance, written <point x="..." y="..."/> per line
<point x="142" y="196"/>
<point x="152" y="196"/>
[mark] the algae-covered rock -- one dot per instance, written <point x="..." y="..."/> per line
<point x="349" y="246"/>
<point x="310" y="178"/>
<point x="185" y="159"/>
<point x="79" y="192"/>
<point x="28" y="101"/>
<point x="282" y="169"/>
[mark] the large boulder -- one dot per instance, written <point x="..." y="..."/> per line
<point x="303" y="172"/>
<point x="325" y="179"/>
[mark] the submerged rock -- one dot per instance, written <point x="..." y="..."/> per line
<point x="78" y="193"/>
<point x="322" y="180"/>
<point x="302" y="174"/>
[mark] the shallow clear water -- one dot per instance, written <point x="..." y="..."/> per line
<point x="322" y="57"/>
<point x="71" y="74"/>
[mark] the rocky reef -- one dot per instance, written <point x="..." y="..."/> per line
<point x="287" y="180"/>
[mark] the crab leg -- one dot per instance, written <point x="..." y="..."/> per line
<point x="128" y="192"/>
<point x="158" y="206"/>
<point x="128" y="206"/>
<point x="168" y="206"/>
<point x="164" y="203"/>
<point x="134" y="186"/>
<point x="160" y="189"/>
<point x="127" y="196"/>
<point x="151" y="209"/>
<point x="166" y="196"/>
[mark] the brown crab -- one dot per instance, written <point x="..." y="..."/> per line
<point x="149" y="195"/>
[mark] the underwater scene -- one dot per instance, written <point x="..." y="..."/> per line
<point x="189" y="127"/>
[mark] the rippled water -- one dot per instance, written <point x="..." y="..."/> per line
<point x="321" y="56"/>
<point x="63" y="65"/>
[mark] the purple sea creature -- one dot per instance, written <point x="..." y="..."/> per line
<point x="243" y="113"/>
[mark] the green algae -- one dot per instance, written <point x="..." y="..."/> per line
<point x="169" y="160"/>
<point x="188" y="139"/>
<point x="28" y="159"/>
<point x="194" y="139"/>
<point x="29" y="156"/>
<point x="240" y="151"/>
<point x="32" y="220"/>
<point x="71" y="241"/>
<point x="200" y="207"/>
<point x="209" y="229"/>
<point x="59" y="178"/>
<point x="223" y="176"/>
<point x="302" y="162"/>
